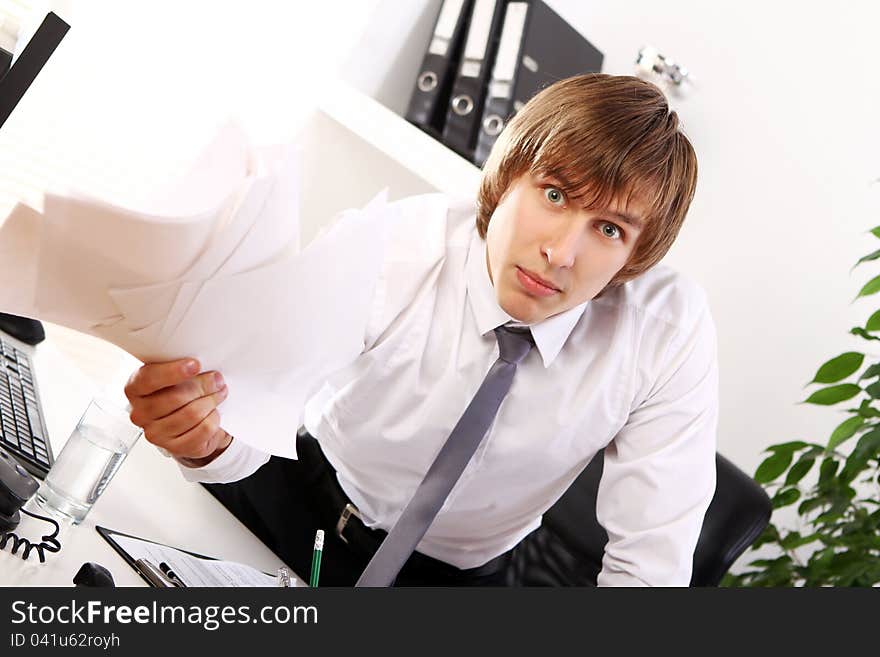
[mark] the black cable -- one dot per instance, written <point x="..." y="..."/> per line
<point x="50" y="542"/>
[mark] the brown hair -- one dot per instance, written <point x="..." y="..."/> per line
<point x="608" y="137"/>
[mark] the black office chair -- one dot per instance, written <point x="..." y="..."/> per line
<point x="567" y="550"/>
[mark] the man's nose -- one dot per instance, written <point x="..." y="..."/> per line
<point x="562" y="249"/>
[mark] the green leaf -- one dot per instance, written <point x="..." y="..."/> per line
<point x="866" y="449"/>
<point x="827" y="470"/>
<point x="772" y="467"/>
<point x="865" y="410"/>
<point x="867" y="258"/>
<point x="871" y="287"/>
<point x="779" y="561"/>
<point x="785" y="497"/>
<point x="875" y="231"/>
<point x="871" y="372"/>
<point x="863" y="333"/>
<point x="873" y="390"/>
<point x="731" y="581"/>
<point x="833" y="394"/>
<point x="799" y="470"/>
<point x="851" y="469"/>
<point x="845" y="429"/>
<point x="836" y="511"/>
<point x="790" y="447"/>
<point x="809" y="505"/>
<point x="839" y="368"/>
<point x="873" y="322"/>
<point x="777" y="572"/>
<point x="868" y="445"/>
<point x="794" y="540"/>
<point x="823" y="556"/>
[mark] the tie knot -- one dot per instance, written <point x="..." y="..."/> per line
<point x="513" y="344"/>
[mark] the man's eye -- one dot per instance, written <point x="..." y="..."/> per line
<point x="554" y="195"/>
<point x="611" y="231"/>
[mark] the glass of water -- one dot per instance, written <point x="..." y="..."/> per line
<point x="90" y="457"/>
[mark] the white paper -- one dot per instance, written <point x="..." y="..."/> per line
<point x="226" y="284"/>
<point x="231" y="241"/>
<point x="196" y="572"/>
<point x="278" y="331"/>
<point x="276" y="229"/>
<point x="265" y="225"/>
<point x="144" y="304"/>
<point x="87" y="244"/>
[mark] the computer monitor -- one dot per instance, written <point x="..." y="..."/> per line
<point x="30" y="62"/>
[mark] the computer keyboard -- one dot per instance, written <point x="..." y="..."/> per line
<point x="23" y="432"/>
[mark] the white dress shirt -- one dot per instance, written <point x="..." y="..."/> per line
<point x="634" y="372"/>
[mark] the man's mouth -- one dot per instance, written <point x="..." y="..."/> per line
<point x="535" y="284"/>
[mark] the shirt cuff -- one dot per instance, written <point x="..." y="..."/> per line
<point x="236" y="462"/>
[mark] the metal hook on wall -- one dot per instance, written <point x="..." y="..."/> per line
<point x="658" y="68"/>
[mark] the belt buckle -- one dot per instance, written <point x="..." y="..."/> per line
<point x="349" y="511"/>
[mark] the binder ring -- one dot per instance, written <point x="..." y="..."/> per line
<point x="462" y="104"/>
<point x="493" y="125"/>
<point x="427" y="81"/>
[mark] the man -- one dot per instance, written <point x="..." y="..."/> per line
<point x="584" y="192"/>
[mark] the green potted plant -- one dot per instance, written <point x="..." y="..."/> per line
<point x="840" y="512"/>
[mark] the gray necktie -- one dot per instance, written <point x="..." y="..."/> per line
<point x="513" y="345"/>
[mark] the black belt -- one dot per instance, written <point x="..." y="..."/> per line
<point x="337" y="511"/>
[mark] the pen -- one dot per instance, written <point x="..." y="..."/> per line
<point x="316" y="558"/>
<point x="171" y="575"/>
<point x="152" y="573"/>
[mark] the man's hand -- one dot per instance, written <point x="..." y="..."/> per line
<point x="177" y="409"/>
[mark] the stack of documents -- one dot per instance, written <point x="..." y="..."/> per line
<point x="214" y="272"/>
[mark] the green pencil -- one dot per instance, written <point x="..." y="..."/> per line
<point x="316" y="558"/>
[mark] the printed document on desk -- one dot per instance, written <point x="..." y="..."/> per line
<point x="193" y="571"/>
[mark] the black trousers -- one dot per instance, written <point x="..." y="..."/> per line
<point x="286" y="501"/>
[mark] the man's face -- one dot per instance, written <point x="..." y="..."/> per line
<point x="547" y="254"/>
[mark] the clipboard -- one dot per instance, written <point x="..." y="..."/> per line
<point x="111" y="535"/>
<point x="108" y="535"/>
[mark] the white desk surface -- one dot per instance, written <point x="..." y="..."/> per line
<point x="148" y="497"/>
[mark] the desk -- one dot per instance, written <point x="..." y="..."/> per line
<point x="148" y="497"/>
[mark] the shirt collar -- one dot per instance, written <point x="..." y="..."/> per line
<point x="549" y="335"/>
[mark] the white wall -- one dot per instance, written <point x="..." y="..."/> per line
<point x="783" y="119"/>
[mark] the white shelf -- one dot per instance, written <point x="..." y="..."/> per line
<point x="399" y="140"/>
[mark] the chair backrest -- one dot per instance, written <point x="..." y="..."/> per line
<point x="568" y="549"/>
